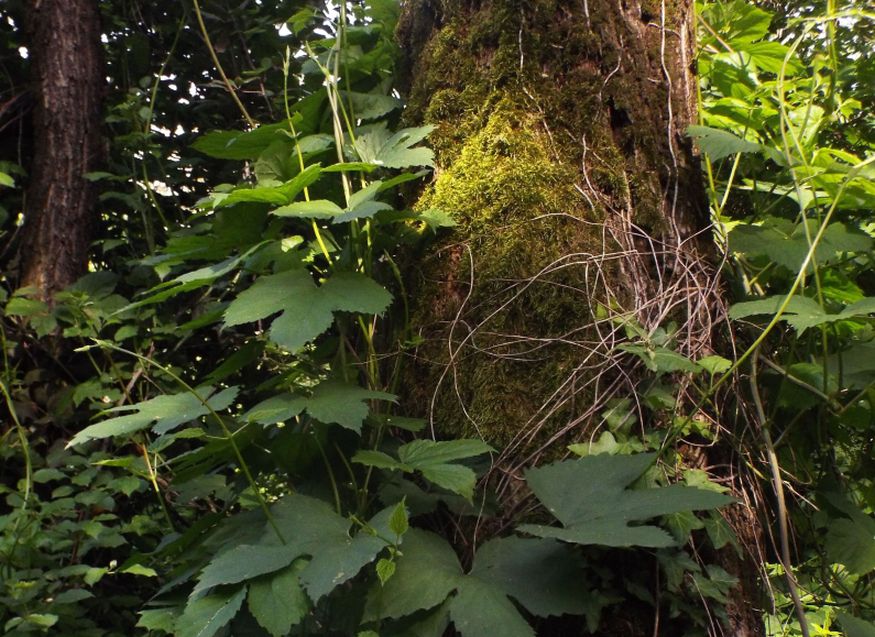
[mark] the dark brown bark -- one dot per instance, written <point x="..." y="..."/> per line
<point x="561" y="149"/>
<point x="65" y="49"/>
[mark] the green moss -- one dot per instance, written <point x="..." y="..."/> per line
<point x="518" y="212"/>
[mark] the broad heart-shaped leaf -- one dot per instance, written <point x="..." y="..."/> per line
<point x="162" y="414"/>
<point x="718" y="144"/>
<point x="206" y="616"/>
<point x="591" y="499"/>
<point x="542" y="575"/>
<point x="277" y="602"/>
<point x="307" y="309"/>
<point x="332" y="402"/>
<point x="376" y="145"/>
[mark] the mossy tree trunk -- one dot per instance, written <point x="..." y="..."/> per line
<point x="561" y="151"/>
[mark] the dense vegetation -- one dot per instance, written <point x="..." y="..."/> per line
<point x="203" y="436"/>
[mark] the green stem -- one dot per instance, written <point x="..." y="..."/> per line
<point x="778" y="486"/>
<point x="231" y="89"/>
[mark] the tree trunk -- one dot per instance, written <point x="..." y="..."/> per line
<point x="64" y="45"/>
<point x="561" y="151"/>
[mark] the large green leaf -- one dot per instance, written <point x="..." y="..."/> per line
<point x="542" y="575"/>
<point x="738" y="21"/>
<point x="855" y="365"/>
<point x="375" y="144"/>
<point x="341" y="403"/>
<point x="480" y="608"/>
<point x="193" y="279"/>
<point x="244" y="562"/>
<point x="787" y="244"/>
<point x="280" y="194"/>
<point x="429" y="453"/>
<point x="592" y="499"/>
<point x="367" y="106"/>
<point x="855" y="627"/>
<point x="243" y="144"/>
<point x="455" y="478"/>
<point x="311" y="527"/>
<point x="206" y="616"/>
<point x="315" y="209"/>
<point x="434" y="460"/>
<point x="361" y="205"/>
<point x="307" y="310"/>
<point x="772" y="57"/>
<point x="718" y="144"/>
<point x="277" y="163"/>
<point x="162" y="413"/>
<point x="802" y="312"/>
<point x="276" y="409"/>
<point x="339" y="559"/>
<point x="427" y="572"/>
<point x="277" y="602"/>
<point x="331" y="402"/>
<point x="851" y="540"/>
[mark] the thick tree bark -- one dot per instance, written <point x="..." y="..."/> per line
<point x="561" y="150"/>
<point x="64" y="45"/>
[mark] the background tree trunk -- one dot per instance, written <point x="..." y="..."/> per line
<point x="561" y="151"/>
<point x="67" y="77"/>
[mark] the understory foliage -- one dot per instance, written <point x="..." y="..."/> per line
<point x="788" y="137"/>
<point x="202" y="433"/>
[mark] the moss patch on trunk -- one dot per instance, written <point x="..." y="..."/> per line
<point x="549" y="122"/>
